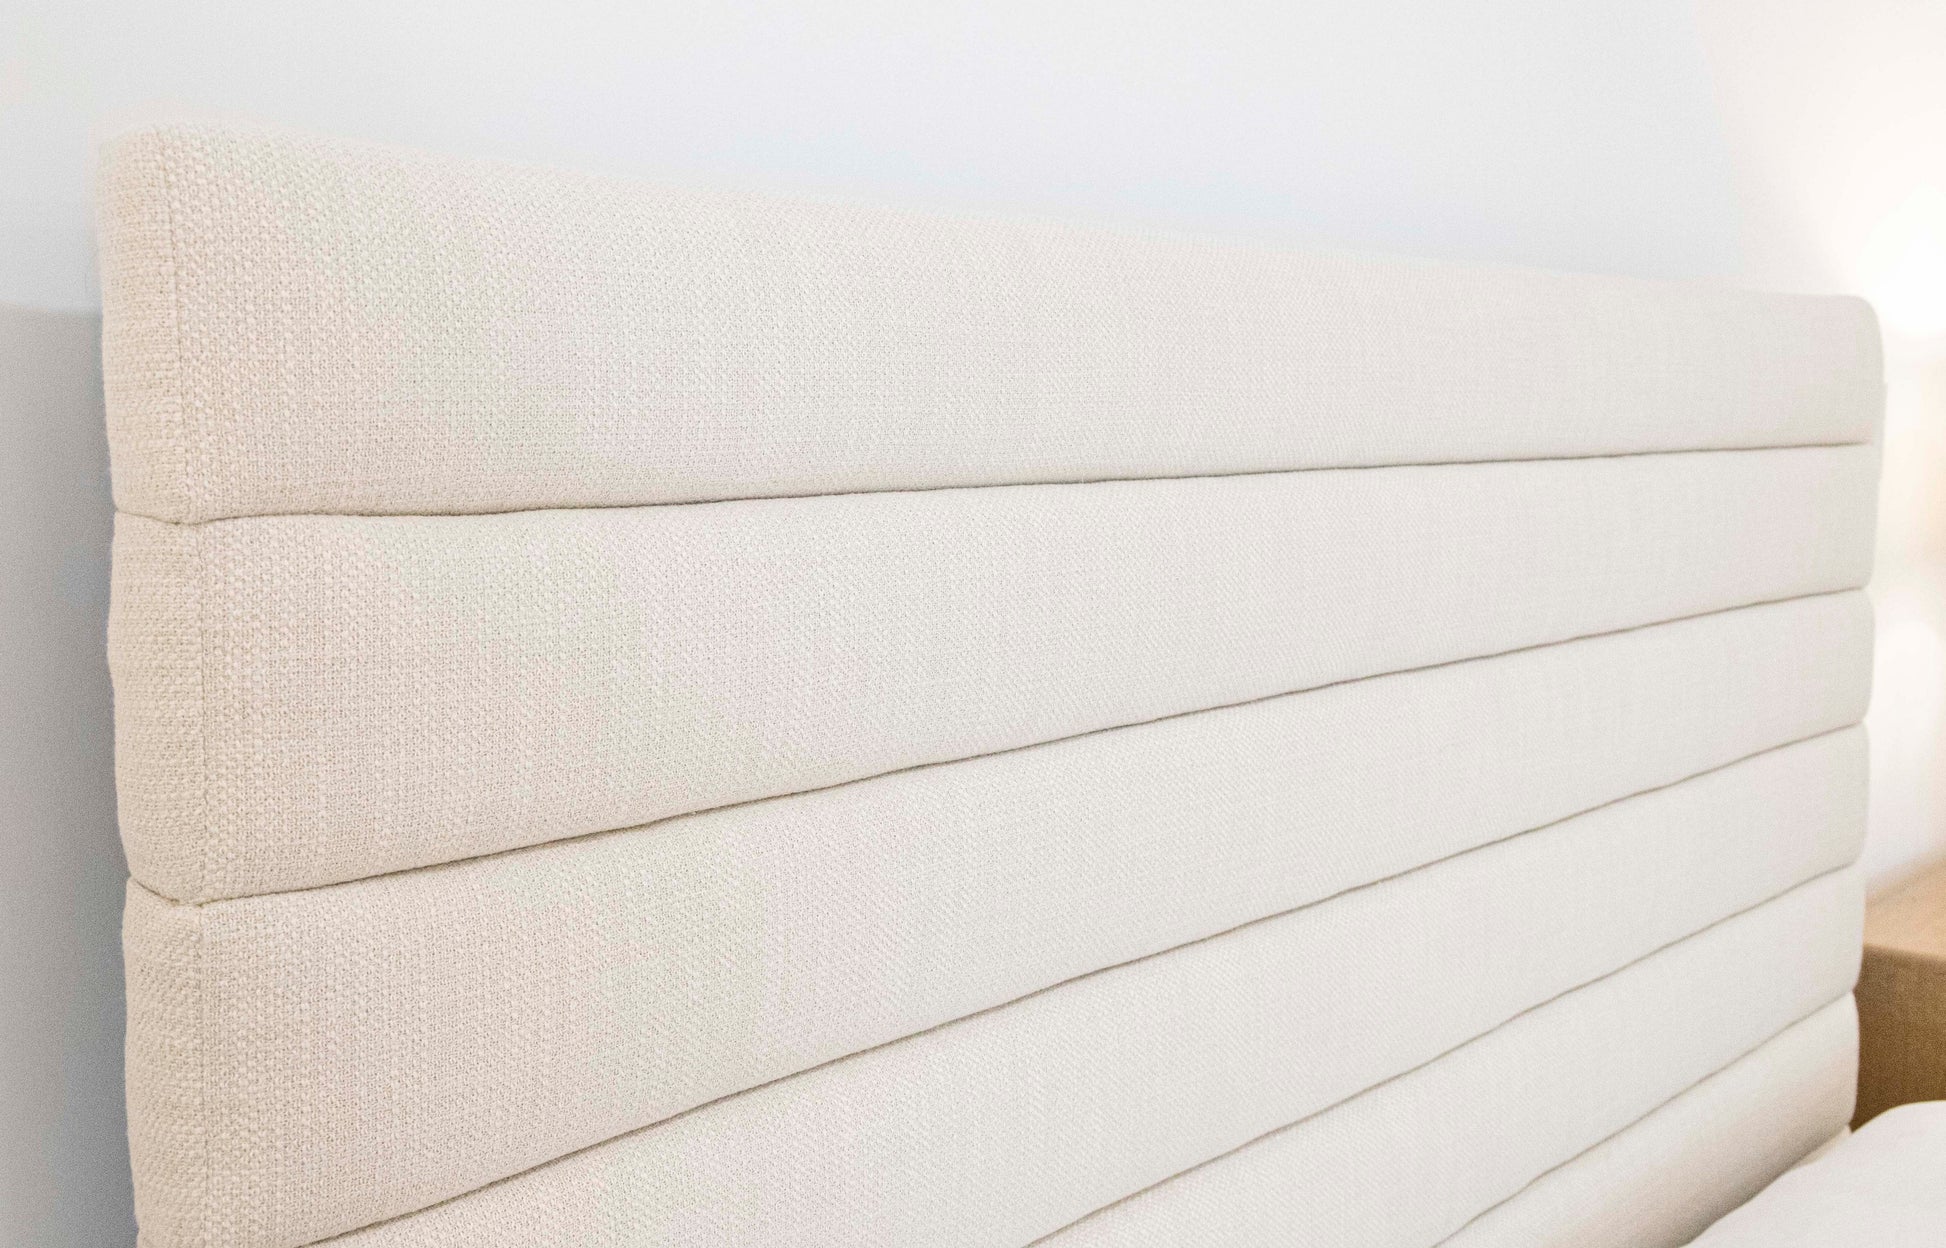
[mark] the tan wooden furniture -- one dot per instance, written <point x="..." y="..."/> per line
<point x="1902" y="999"/>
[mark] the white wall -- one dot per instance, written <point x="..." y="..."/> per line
<point x="63" y="1163"/>
<point x="1836" y="112"/>
<point x="1580" y="136"/>
<point x="1568" y="135"/>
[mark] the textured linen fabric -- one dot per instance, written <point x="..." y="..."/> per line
<point x="957" y="729"/>
<point x="302" y="325"/>
<point x="1883" y="1187"/>
<point x="1661" y="1180"/>
<point x="625" y="988"/>
<point x="1007" y="1125"/>
<point x="370" y="694"/>
<point x="1411" y="1160"/>
<point x="896" y="903"/>
<point x="1401" y="1164"/>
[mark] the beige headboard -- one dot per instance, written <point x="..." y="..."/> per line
<point x="653" y="718"/>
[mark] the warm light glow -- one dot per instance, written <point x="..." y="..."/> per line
<point x="1909" y="676"/>
<point x="1904" y="266"/>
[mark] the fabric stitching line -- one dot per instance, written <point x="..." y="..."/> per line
<point x="1000" y="1005"/>
<point x="1650" y="1113"/>
<point x="1510" y="1019"/>
<point x="1015" y="485"/>
<point x="1161" y="953"/>
<point x="1051" y="741"/>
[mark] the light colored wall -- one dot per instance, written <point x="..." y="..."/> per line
<point x="63" y="1162"/>
<point x="1570" y="135"/>
<point x="1836" y="113"/>
<point x="1573" y="136"/>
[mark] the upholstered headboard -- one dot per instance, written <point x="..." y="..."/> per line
<point x="653" y="718"/>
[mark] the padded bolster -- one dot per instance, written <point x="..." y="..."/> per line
<point x="311" y="699"/>
<point x="1014" y="1123"/>
<point x="1883" y="1186"/>
<point x="1414" y="1159"/>
<point x="304" y="325"/>
<point x="617" y="980"/>
<point x="579" y="1010"/>
<point x="1661" y="1181"/>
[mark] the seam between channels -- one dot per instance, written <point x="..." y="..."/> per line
<point x="1161" y="953"/>
<point x="1836" y="444"/>
<point x="1505" y="1022"/>
<point x="628" y="829"/>
<point x="1651" y="1112"/>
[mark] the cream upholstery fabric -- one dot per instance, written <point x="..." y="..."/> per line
<point x="1339" y="715"/>
<point x="379" y="694"/>
<point x="847" y="917"/>
<point x="1884" y="1187"/>
<point x="1655" y="1183"/>
<point x="602" y="1004"/>
<point x="1434" y="1145"/>
<point x="765" y="1167"/>
<point x="300" y="325"/>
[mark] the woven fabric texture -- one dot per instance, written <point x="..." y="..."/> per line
<point x="680" y="962"/>
<point x="1546" y="1085"/>
<point x="1880" y="1186"/>
<point x="664" y="717"/>
<point x="303" y="325"/>
<point x="1432" y="1146"/>
<point x="877" y="1149"/>
<point x="384" y="693"/>
<point x="620" y="992"/>
<point x="1662" y="1180"/>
